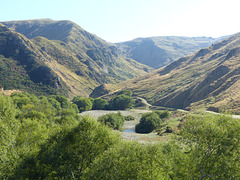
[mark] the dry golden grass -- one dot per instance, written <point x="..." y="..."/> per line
<point x="209" y="77"/>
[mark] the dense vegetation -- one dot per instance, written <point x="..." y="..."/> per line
<point x="148" y="122"/>
<point x="112" y="120"/>
<point x="44" y="138"/>
<point x="151" y="121"/>
<point x="123" y="100"/>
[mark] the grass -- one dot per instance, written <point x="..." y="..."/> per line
<point x="79" y="59"/>
<point x="195" y="81"/>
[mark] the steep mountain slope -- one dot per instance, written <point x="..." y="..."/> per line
<point x="22" y="65"/>
<point x="81" y="60"/>
<point x="160" y="51"/>
<point x="209" y="78"/>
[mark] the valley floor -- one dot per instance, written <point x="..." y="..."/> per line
<point x="129" y="126"/>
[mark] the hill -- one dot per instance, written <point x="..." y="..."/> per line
<point x="77" y="58"/>
<point x="22" y="65"/>
<point x="160" y="51"/>
<point x="209" y="78"/>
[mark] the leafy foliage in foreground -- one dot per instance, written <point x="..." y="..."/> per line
<point x="130" y="160"/>
<point x="44" y="138"/>
<point x="213" y="145"/>
<point x="68" y="153"/>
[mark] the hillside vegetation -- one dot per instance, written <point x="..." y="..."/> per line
<point x="208" y="78"/>
<point x="160" y="51"/>
<point x="78" y="59"/>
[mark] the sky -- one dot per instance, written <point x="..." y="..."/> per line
<point x="123" y="20"/>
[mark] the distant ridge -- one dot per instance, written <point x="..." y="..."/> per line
<point x="162" y="50"/>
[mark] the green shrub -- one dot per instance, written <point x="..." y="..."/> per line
<point x="65" y="103"/>
<point x="148" y="122"/>
<point x="99" y="104"/>
<point x="84" y="104"/>
<point x="113" y="120"/>
<point x="121" y="102"/>
<point x="68" y="153"/>
<point x="128" y="160"/>
<point x="163" y="114"/>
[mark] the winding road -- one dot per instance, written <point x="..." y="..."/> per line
<point x="144" y="101"/>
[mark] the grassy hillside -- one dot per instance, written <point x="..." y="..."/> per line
<point x="208" y="78"/>
<point x="23" y="66"/>
<point x="160" y="51"/>
<point x="80" y="59"/>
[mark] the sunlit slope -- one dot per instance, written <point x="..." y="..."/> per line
<point x="80" y="59"/>
<point x="208" y="78"/>
<point x="23" y="65"/>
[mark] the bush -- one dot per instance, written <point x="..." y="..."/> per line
<point x="163" y="114"/>
<point x="121" y="102"/>
<point x="84" y="104"/>
<point x="148" y="122"/>
<point x="128" y="160"/>
<point x="113" y="120"/>
<point x="68" y="153"/>
<point x="65" y="103"/>
<point x="213" y="143"/>
<point x="129" y="118"/>
<point x="99" y="104"/>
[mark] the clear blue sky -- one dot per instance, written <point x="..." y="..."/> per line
<point x="122" y="20"/>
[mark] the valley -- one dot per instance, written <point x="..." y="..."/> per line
<point x="74" y="106"/>
<point x="206" y="79"/>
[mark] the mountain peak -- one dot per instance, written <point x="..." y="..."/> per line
<point x="76" y="57"/>
<point x="48" y="28"/>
